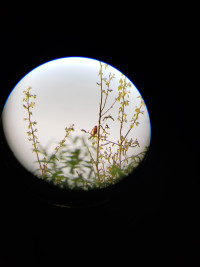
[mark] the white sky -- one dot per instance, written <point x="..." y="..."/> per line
<point x="67" y="93"/>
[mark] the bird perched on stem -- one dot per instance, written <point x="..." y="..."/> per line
<point x="93" y="132"/>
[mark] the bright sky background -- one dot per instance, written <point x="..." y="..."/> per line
<point x="67" y="93"/>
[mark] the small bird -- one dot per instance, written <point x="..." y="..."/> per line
<point x="93" y="132"/>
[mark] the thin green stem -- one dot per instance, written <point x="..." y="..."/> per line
<point x="121" y="124"/>
<point x="99" y="124"/>
<point x="32" y="132"/>
<point x="109" y="107"/>
<point x="133" y="123"/>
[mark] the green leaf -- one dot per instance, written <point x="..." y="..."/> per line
<point x="56" y="174"/>
<point x="53" y="158"/>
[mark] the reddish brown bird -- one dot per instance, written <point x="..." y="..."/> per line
<point x="93" y="132"/>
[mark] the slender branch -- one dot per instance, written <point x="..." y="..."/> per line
<point x="105" y="101"/>
<point x="103" y="167"/>
<point x="109" y="107"/>
<point x="67" y="132"/>
<point x="133" y="123"/>
<point x="99" y="123"/>
<point x="135" y="156"/>
<point x="106" y="96"/>
<point x="93" y="161"/>
<point x="32" y="132"/>
<point x="108" y="142"/>
<point x="121" y="124"/>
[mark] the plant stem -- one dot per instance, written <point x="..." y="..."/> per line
<point x="133" y="123"/>
<point x="99" y="123"/>
<point x="34" y="140"/>
<point x="109" y="107"/>
<point x="93" y="162"/>
<point x="121" y="124"/>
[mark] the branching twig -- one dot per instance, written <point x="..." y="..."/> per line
<point x="110" y="107"/>
<point x="134" y="120"/>
<point x="30" y="126"/>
